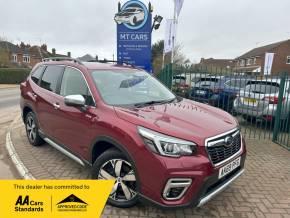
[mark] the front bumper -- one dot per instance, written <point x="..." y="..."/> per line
<point x="198" y="195"/>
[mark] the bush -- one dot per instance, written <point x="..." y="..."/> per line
<point x="13" y="75"/>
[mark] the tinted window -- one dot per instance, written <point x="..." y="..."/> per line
<point x="36" y="75"/>
<point x="237" y="83"/>
<point x="73" y="83"/>
<point x="262" y="87"/>
<point x="51" y="77"/>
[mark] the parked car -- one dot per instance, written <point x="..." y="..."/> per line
<point x="131" y="15"/>
<point x="228" y="90"/>
<point x="128" y="127"/>
<point x="179" y="85"/>
<point x="218" y="91"/>
<point x="206" y="88"/>
<point x="259" y="100"/>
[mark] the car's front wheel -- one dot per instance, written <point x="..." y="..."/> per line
<point x="113" y="165"/>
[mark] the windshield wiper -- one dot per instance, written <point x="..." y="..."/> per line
<point x="144" y="104"/>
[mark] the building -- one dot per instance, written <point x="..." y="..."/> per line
<point x="217" y="65"/>
<point x="253" y="62"/>
<point x="24" y="55"/>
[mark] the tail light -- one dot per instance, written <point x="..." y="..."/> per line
<point x="272" y="99"/>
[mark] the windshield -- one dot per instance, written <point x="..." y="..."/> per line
<point x="262" y="87"/>
<point x="125" y="88"/>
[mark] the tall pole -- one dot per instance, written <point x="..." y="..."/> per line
<point x="173" y="36"/>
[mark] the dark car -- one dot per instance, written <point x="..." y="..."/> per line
<point x="219" y="91"/>
<point x="128" y="127"/>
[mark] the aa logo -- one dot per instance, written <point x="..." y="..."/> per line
<point x="25" y="204"/>
<point x="72" y="203"/>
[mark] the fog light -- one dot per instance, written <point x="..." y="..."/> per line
<point x="176" y="188"/>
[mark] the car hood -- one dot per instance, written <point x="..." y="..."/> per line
<point x="186" y="119"/>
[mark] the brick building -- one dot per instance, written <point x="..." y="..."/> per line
<point x="24" y="55"/>
<point x="216" y="65"/>
<point x="253" y="61"/>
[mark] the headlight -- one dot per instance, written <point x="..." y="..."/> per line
<point x="166" y="145"/>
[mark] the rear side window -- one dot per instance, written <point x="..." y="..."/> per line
<point x="73" y="83"/>
<point x="36" y="75"/>
<point x="51" y="78"/>
<point x="237" y="83"/>
<point x="262" y="87"/>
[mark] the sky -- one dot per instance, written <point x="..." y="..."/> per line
<point x="206" y="28"/>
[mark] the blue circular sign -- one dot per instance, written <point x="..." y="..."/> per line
<point x="133" y="15"/>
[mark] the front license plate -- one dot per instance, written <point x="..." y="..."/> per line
<point x="229" y="167"/>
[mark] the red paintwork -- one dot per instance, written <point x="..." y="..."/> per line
<point x="186" y="120"/>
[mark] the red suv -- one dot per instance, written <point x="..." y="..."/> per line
<point x="127" y="126"/>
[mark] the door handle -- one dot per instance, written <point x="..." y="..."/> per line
<point x="34" y="95"/>
<point x="56" y="106"/>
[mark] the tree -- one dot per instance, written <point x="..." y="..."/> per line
<point x="157" y="56"/>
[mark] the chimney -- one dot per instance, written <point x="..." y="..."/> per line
<point x="53" y="51"/>
<point x="69" y="54"/>
<point x="44" y="47"/>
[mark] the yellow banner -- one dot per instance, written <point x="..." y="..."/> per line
<point x="53" y="198"/>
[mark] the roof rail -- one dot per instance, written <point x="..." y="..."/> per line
<point x="62" y="59"/>
<point x="113" y="61"/>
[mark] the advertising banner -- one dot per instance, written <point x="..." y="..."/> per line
<point x="178" y="6"/>
<point x="53" y="198"/>
<point x="134" y="35"/>
<point x="170" y="32"/>
<point x="269" y="58"/>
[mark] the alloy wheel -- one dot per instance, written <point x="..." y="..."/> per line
<point x="125" y="185"/>
<point x="31" y="128"/>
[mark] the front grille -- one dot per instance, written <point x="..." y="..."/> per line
<point x="219" y="151"/>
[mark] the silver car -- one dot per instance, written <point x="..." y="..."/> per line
<point x="259" y="100"/>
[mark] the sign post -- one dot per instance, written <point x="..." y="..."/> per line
<point x="134" y="35"/>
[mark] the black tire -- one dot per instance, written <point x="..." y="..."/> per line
<point x="104" y="162"/>
<point x="31" y="126"/>
<point x="135" y="20"/>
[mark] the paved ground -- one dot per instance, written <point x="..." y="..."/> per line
<point x="9" y="98"/>
<point x="7" y="170"/>
<point x="263" y="191"/>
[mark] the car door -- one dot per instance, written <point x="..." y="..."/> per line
<point x="47" y="97"/>
<point x="75" y="124"/>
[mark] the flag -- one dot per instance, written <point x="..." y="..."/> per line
<point x="269" y="58"/>
<point x="178" y="6"/>
<point x="169" y="35"/>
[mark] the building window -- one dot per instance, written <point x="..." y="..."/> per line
<point x="26" y="58"/>
<point x="14" y="57"/>
<point x="242" y="62"/>
<point x="255" y="60"/>
<point x="288" y="60"/>
<point x="249" y="61"/>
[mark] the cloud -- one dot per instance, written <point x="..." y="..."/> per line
<point x="207" y="28"/>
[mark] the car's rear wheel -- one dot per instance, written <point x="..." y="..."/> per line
<point x="113" y="165"/>
<point x="31" y="126"/>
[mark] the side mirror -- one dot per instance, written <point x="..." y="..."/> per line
<point x="75" y="100"/>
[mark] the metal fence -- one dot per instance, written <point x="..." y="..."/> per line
<point x="260" y="103"/>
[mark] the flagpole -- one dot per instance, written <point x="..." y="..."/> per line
<point x="173" y="36"/>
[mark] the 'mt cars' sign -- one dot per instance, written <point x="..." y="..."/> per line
<point x="134" y="34"/>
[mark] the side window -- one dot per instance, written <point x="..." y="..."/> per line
<point x="36" y="75"/>
<point x="73" y="83"/>
<point x="51" y="78"/>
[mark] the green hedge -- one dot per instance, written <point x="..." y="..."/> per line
<point x="13" y="75"/>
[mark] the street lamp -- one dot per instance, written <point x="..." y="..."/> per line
<point x="157" y="21"/>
